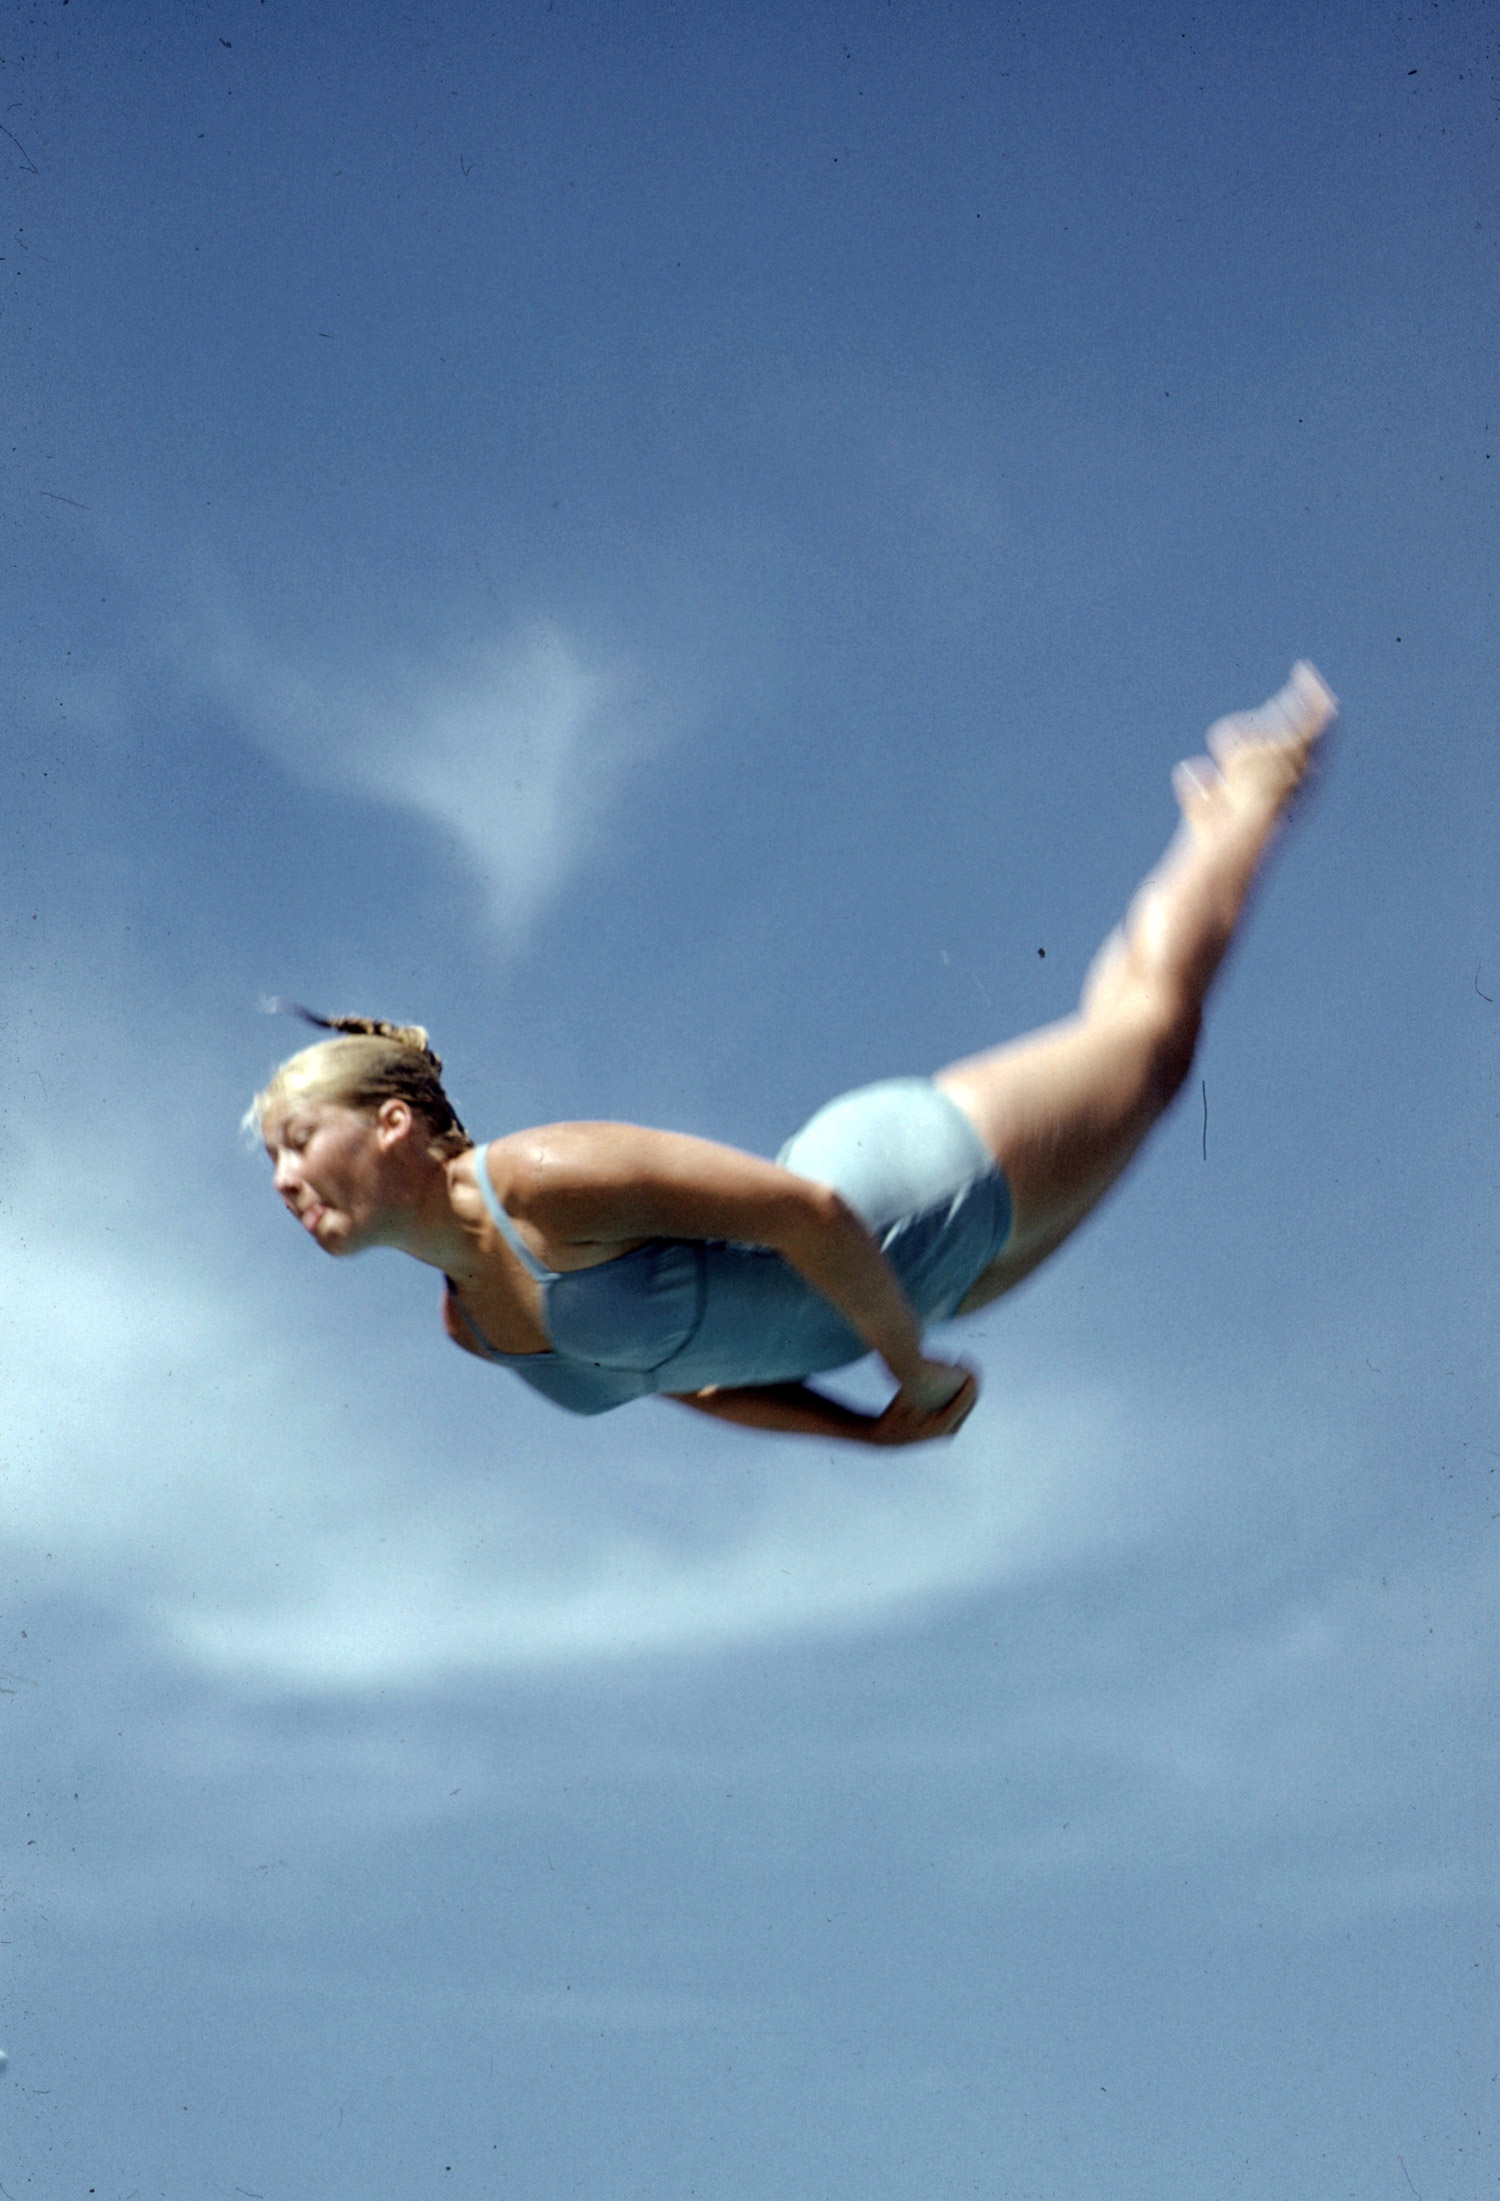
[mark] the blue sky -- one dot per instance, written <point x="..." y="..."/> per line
<point x="679" y="546"/>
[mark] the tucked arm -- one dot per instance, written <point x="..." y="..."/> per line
<point x="795" y="1410"/>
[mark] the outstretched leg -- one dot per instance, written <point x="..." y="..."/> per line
<point x="1064" y="1110"/>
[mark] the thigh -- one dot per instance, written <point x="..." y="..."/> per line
<point x="1062" y="1112"/>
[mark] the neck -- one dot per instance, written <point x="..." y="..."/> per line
<point x="421" y="1221"/>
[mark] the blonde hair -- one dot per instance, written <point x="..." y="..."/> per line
<point x="367" y="1062"/>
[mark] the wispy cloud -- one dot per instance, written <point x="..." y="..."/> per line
<point x="448" y="1593"/>
<point x="515" y="755"/>
<point x="518" y="762"/>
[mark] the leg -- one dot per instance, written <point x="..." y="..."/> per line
<point x="1064" y="1110"/>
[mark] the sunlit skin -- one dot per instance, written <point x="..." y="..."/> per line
<point x="1062" y="1111"/>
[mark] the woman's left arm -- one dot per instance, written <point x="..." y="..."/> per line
<point x="594" y="1185"/>
<point x="796" y="1410"/>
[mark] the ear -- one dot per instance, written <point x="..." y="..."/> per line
<point x="394" y="1120"/>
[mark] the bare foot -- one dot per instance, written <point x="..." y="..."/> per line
<point x="1258" y="759"/>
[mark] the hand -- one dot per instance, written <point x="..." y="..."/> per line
<point x="936" y="1402"/>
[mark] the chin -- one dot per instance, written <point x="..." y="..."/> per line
<point x="334" y="1239"/>
<point x="344" y="1242"/>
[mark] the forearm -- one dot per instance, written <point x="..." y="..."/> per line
<point x="789" y="1408"/>
<point x="837" y="1255"/>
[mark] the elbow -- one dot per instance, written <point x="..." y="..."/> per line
<point x="819" y="1218"/>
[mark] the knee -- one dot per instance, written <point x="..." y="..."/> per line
<point x="1173" y="1045"/>
<point x="1164" y="1022"/>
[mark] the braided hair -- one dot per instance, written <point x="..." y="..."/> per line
<point x="367" y="1061"/>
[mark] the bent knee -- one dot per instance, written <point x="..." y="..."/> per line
<point x="1163" y="1023"/>
<point x="1175" y="1027"/>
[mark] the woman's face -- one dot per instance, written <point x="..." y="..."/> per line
<point x="328" y="1163"/>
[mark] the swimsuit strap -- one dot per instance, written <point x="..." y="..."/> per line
<point x="502" y="1221"/>
<point x="476" y="1336"/>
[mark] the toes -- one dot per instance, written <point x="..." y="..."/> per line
<point x="1316" y="701"/>
<point x="1293" y="717"/>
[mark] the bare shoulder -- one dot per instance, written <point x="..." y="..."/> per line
<point x="578" y="1183"/>
<point x="541" y="1174"/>
<point x="525" y="1163"/>
<point x="595" y="1153"/>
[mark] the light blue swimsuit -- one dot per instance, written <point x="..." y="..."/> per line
<point x="679" y="1314"/>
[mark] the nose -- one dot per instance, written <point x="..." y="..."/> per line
<point x="286" y="1172"/>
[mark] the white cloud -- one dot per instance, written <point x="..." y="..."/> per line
<point x="516" y="757"/>
<point x="519" y="763"/>
<point x="825" y="1549"/>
